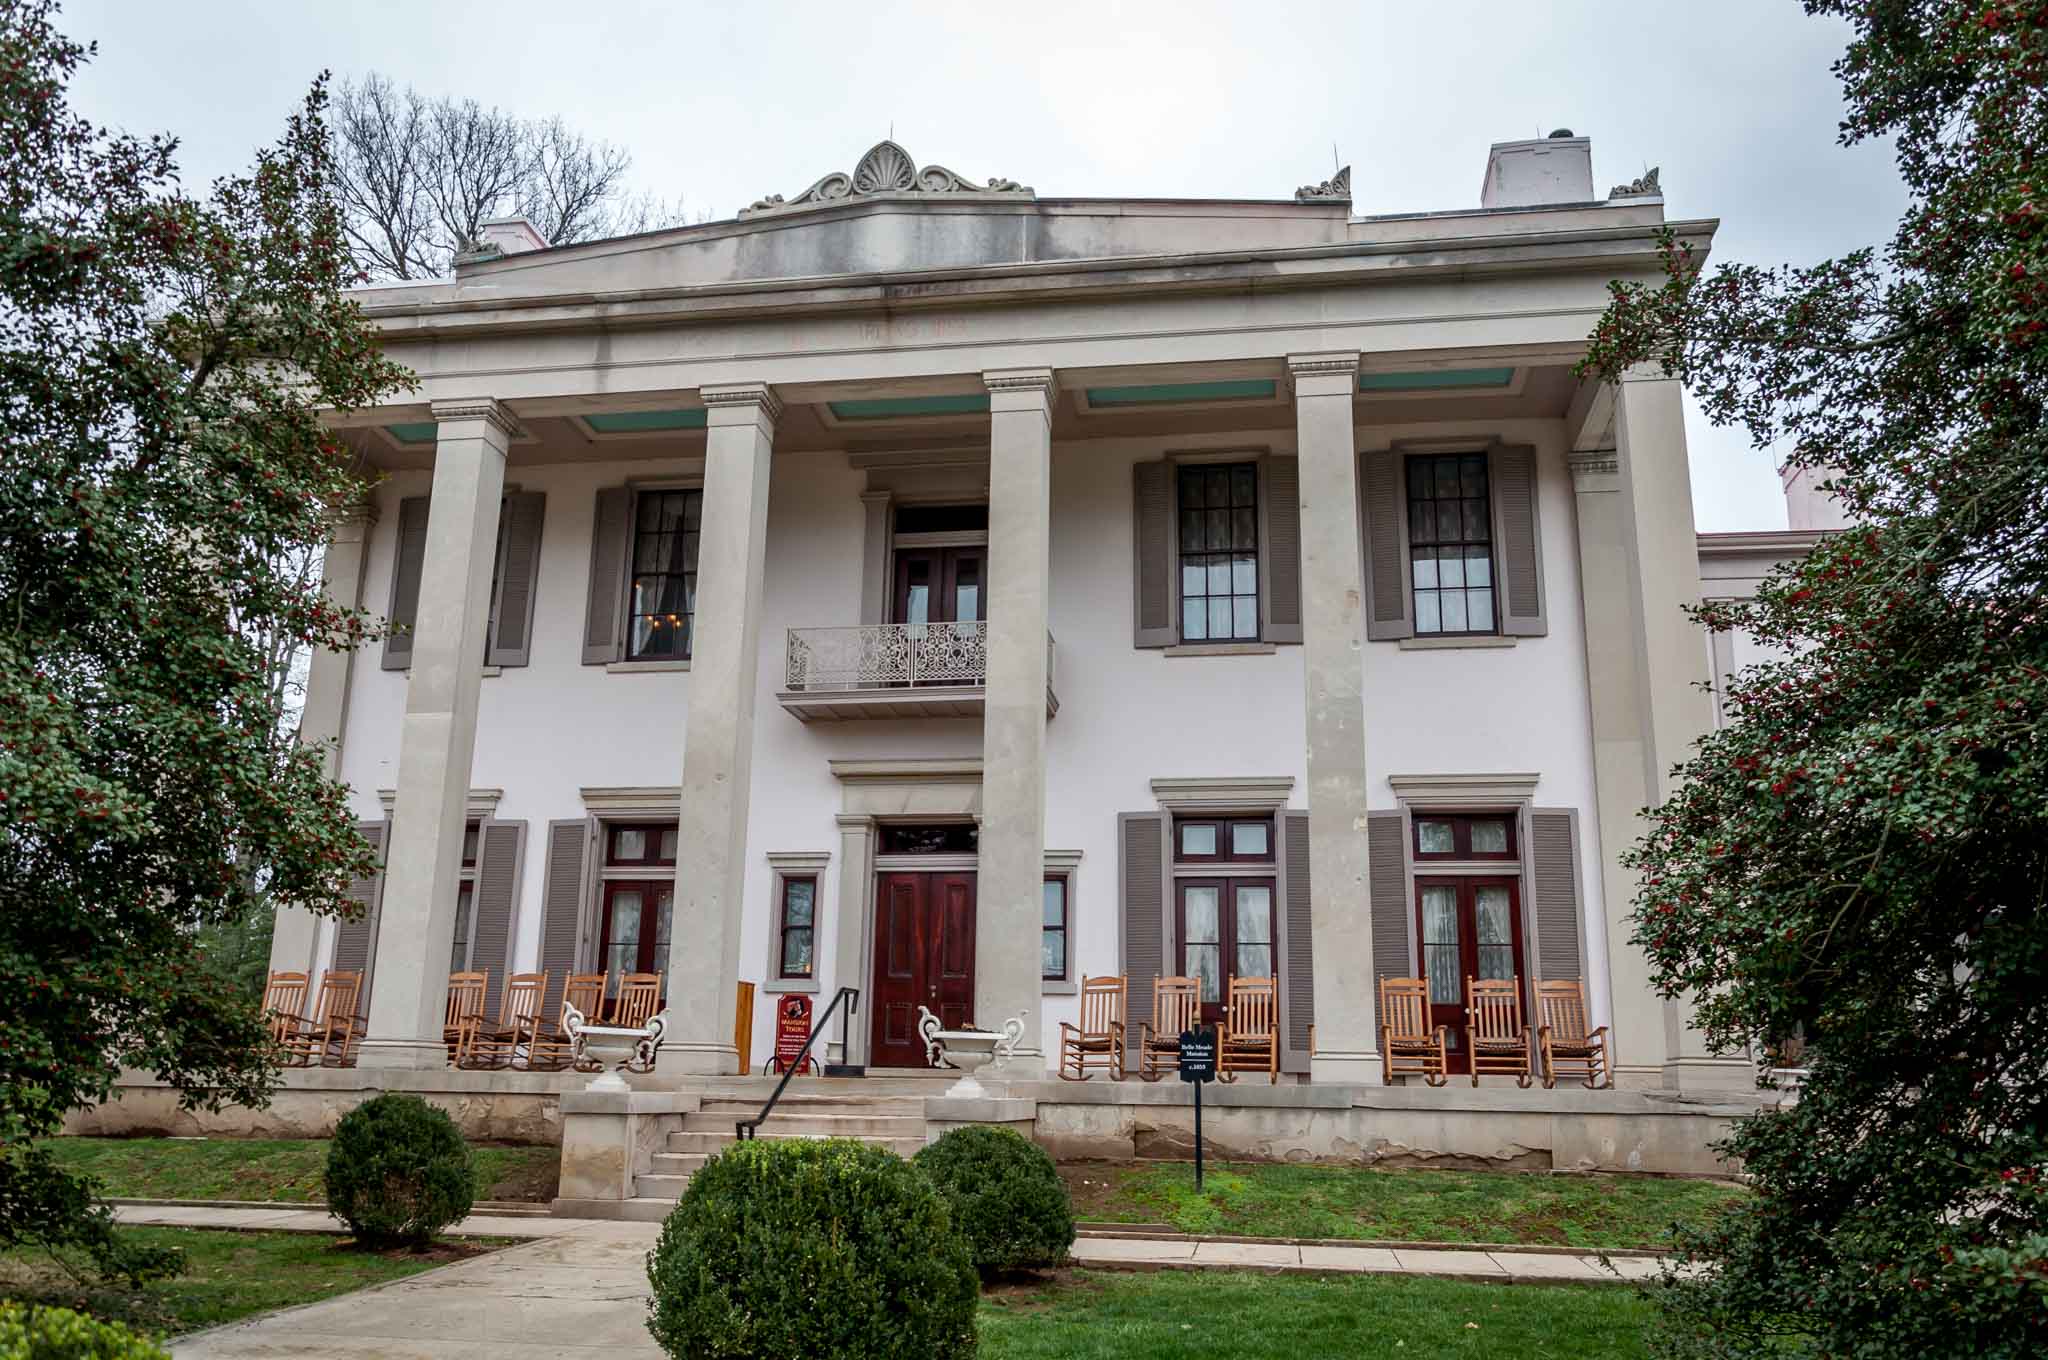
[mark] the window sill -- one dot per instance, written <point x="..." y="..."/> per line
<point x="1445" y="644"/>
<point x="490" y="671"/>
<point x="1223" y="649"/>
<point x="777" y="986"/>
<point x="1059" y="988"/>
<point x="628" y="667"/>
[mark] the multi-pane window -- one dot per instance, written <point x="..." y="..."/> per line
<point x="1202" y="839"/>
<point x="1461" y="836"/>
<point x="798" y="924"/>
<point x="666" y="526"/>
<point x="1219" y="552"/>
<point x="1224" y="925"/>
<point x="465" y="902"/>
<point x="1052" y="947"/>
<point x="1450" y="543"/>
<point x="639" y="899"/>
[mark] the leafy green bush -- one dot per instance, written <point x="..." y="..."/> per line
<point x="398" y="1171"/>
<point x="811" y="1247"/>
<point x="1006" y="1197"/>
<point x="30" y="1333"/>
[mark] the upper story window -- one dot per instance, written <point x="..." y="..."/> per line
<point x="663" y="601"/>
<point x="641" y="843"/>
<point x="1052" y="938"/>
<point x="1450" y="543"/>
<point x="1487" y="835"/>
<point x="1219" y="552"/>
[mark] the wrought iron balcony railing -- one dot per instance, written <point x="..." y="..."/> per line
<point x="891" y="670"/>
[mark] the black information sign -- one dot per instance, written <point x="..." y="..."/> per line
<point x="1198" y="1065"/>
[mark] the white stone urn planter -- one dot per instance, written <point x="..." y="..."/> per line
<point x="967" y="1049"/>
<point x="613" y="1047"/>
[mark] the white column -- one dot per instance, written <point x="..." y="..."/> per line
<point x="1009" y="891"/>
<point x="1673" y="706"/>
<point x="323" y="718"/>
<point x="1333" y="655"/>
<point x="718" y="740"/>
<point x="423" y="862"/>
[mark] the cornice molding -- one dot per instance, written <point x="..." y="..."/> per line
<point x="906" y="771"/>
<point x="664" y="800"/>
<point x="1217" y="794"/>
<point x="482" y="804"/>
<point x="1464" y="790"/>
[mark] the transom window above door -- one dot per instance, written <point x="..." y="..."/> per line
<point x="1219" y="552"/>
<point x="641" y="844"/>
<point x="1203" y="840"/>
<point x="1483" y="835"/>
<point x="1450" y="543"/>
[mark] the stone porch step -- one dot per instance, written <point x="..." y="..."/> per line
<point x="903" y="1144"/>
<point x="821" y="1102"/>
<point x="813" y="1125"/>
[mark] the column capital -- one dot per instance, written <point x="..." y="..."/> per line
<point x="1333" y="374"/>
<point x="351" y="521"/>
<point x="1594" y="469"/>
<point x="741" y="397"/>
<point x="487" y="409"/>
<point x="1647" y="372"/>
<point x="1019" y="380"/>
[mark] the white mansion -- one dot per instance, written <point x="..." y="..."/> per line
<point x="923" y="586"/>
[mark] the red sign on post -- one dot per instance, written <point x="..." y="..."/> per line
<point x="792" y="1028"/>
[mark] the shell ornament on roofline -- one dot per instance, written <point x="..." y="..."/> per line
<point x="886" y="169"/>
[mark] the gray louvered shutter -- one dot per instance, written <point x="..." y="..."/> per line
<point x="1298" y="986"/>
<point x="497" y="894"/>
<point x="604" y="618"/>
<point x="1280" y="539"/>
<point x="1554" y="894"/>
<point x="561" y="919"/>
<point x="518" y="580"/>
<point x="1390" y="604"/>
<point x="1141" y="854"/>
<point x="355" y="940"/>
<point x="1386" y="850"/>
<point x="1518" y="539"/>
<point x="407" y="562"/>
<point x="1152" y="556"/>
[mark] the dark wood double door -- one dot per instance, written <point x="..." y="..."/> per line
<point x="940" y="585"/>
<point x="1469" y="927"/>
<point x="924" y="956"/>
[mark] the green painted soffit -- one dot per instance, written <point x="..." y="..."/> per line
<point x="1235" y="389"/>
<point x="413" y="432"/>
<point x="1436" y="380"/>
<point x="645" y="422"/>
<point x="894" y="408"/>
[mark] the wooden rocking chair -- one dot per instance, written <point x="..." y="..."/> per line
<point x="509" y="1042"/>
<point x="1409" y="1044"/>
<point x="552" y="1047"/>
<point x="331" y="1036"/>
<point x="1250" y="1037"/>
<point x="284" y="1008"/>
<point x="639" y="999"/>
<point x="465" y="1011"/>
<point x="1176" y="1004"/>
<point x="1099" y="1040"/>
<point x="1494" y="1030"/>
<point x="1564" y="1038"/>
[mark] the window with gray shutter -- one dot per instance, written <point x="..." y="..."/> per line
<point x="497" y="897"/>
<point x="355" y="939"/>
<point x="1518" y="541"/>
<point x="517" y="579"/>
<point x="410" y="558"/>
<point x="1382" y="488"/>
<point x="1554" y="889"/>
<point x="1156" y="623"/>
<point x="1280" y="541"/>
<point x="561" y="921"/>
<point x="1386" y="849"/>
<point x="1141" y="854"/>
<point x="1298" y="984"/>
<point x="604" y="617"/>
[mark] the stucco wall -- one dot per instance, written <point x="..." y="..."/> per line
<point x="1126" y="716"/>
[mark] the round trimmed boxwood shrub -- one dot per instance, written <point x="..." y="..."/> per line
<point x="31" y="1333"/>
<point x="398" y="1172"/>
<point x="811" y="1247"/>
<point x="1006" y="1197"/>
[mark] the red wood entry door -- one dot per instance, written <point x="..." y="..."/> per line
<point x="1469" y="928"/>
<point x="924" y="956"/>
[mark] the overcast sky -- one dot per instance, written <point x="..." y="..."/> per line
<point x="721" y="104"/>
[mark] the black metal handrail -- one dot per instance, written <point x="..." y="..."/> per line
<point x="851" y="996"/>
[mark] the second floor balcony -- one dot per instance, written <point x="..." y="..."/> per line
<point x="892" y="670"/>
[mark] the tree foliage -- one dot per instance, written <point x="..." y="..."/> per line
<point x="1860" y="857"/>
<point x="163" y="464"/>
<point x="418" y="176"/>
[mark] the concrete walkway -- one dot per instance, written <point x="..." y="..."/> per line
<point x="581" y="1285"/>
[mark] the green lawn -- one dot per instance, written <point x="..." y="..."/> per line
<point x="268" y="1168"/>
<point x="1183" y="1315"/>
<point x="1267" y="1199"/>
<point x="228" y="1275"/>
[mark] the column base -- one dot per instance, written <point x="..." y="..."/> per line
<point x="700" y="1060"/>
<point x="1346" y="1069"/>
<point x="403" y="1054"/>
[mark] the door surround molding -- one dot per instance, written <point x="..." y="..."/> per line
<point x="873" y="792"/>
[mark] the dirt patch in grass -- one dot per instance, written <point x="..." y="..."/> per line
<point x="522" y="1173"/>
<point x="444" y="1252"/>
